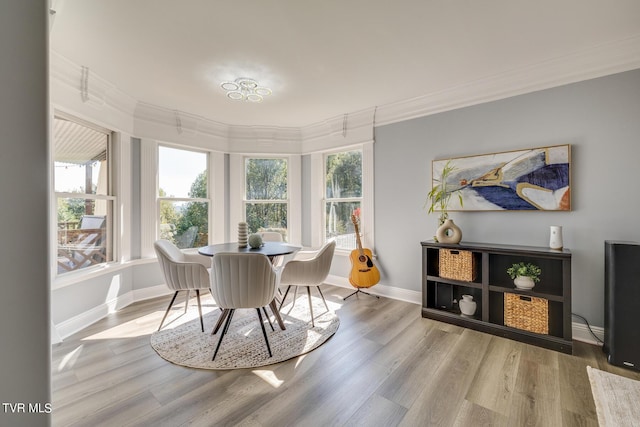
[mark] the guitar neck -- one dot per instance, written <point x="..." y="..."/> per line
<point x="358" y="241"/>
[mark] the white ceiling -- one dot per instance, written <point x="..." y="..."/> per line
<point x="323" y="58"/>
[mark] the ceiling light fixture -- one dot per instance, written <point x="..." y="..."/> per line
<point x="245" y="89"/>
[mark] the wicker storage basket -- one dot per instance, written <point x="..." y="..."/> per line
<point x="457" y="265"/>
<point x="527" y="313"/>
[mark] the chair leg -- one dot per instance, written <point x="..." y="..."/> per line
<point x="264" y="332"/>
<point x="168" y="308"/>
<point x="200" y="310"/>
<point x="285" y="296"/>
<point x="224" y="331"/>
<point x="276" y="313"/>
<point x="186" y="301"/>
<point x="313" y="325"/>
<point x="268" y="318"/>
<point x="295" y="296"/>
<point x="223" y="316"/>
<point x="323" y="300"/>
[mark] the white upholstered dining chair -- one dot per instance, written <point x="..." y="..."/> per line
<point x="242" y="280"/>
<point x="271" y="236"/>
<point x="308" y="268"/>
<point x="182" y="272"/>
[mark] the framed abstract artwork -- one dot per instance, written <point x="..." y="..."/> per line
<point x="531" y="179"/>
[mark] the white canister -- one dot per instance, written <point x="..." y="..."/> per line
<point x="555" y="237"/>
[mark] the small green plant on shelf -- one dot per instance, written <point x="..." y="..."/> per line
<point x="526" y="270"/>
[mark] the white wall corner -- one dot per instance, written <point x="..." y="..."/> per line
<point x="339" y="131"/>
<point x="148" y="202"/>
<point x="580" y="332"/>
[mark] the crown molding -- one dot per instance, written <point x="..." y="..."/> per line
<point x="76" y="88"/>
<point x="596" y="61"/>
<point x="151" y="121"/>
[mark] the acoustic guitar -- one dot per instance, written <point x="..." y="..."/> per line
<point x="364" y="273"/>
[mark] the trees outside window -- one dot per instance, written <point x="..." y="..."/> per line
<point x="266" y="197"/>
<point x="343" y="195"/>
<point x="183" y="197"/>
<point x="83" y="194"/>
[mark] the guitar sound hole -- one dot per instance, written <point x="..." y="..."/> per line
<point x="362" y="258"/>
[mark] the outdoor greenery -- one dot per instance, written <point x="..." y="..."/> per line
<point x="266" y="193"/>
<point x="343" y="181"/>
<point x="190" y="219"/>
<point x="71" y="210"/>
<point x="524" y="269"/>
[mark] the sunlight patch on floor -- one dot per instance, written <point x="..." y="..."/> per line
<point x="269" y="377"/>
<point x="146" y="325"/>
<point x="69" y="360"/>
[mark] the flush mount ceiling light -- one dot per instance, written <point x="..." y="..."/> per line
<point x="245" y="89"/>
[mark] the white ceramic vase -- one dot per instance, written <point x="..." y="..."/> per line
<point x="524" y="282"/>
<point x="467" y="305"/>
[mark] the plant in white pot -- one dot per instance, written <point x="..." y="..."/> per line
<point x="439" y="198"/>
<point x="524" y="275"/>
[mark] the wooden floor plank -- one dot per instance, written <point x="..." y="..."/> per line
<point x="385" y="366"/>
<point x="493" y="385"/>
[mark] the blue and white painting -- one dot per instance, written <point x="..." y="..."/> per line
<point x="533" y="179"/>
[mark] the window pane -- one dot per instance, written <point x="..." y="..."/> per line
<point x="344" y="175"/>
<point x="83" y="240"/>
<point x="339" y="224"/>
<point x="266" y="179"/>
<point x="186" y="224"/>
<point x="267" y="217"/>
<point x="182" y="173"/>
<point x="80" y="159"/>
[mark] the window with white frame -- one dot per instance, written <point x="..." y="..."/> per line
<point x="83" y="194"/>
<point x="266" y="201"/>
<point x="343" y="196"/>
<point x="183" y="196"/>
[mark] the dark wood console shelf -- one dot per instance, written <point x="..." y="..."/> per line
<point x="440" y="295"/>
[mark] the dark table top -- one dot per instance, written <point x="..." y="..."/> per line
<point x="269" y="249"/>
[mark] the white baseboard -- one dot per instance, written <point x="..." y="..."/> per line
<point x="405" y="295"/>
<point x="581" y="333"/>
<point x="81" y="321"/>
<point x="77" y="323"/>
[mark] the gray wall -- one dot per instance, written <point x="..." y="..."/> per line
<point x="599" y="118"/>
<point x="24" y="172"/>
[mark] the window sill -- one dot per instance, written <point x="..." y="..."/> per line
<point x="89" y="273"/>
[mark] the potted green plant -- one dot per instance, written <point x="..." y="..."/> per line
<point x="524" y="275"/>
<point x="438" y="199"/>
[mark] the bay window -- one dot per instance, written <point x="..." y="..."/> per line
<point x="183" y="196"/>
<point x="343" y="196"/>
<point x="266" y="201"/>
<point x="83" y="194"/>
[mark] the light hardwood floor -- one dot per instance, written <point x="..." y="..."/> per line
<point x="385" y="366"/>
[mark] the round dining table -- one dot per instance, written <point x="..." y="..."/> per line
<point x="270" y="249"/>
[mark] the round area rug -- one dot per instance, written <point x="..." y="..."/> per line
<point x="243" y="346"/>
